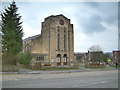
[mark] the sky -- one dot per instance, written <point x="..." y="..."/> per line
<point x="95" y="23"/>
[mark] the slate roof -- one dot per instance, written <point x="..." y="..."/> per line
<point x="79" y="53"/>
<point x="39" y="54"/>
<point x="32" y="38"/>
<point x="55" y="16"/>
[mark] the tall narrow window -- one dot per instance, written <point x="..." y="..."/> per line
<point x="69" y="39"/>
<point x="64" y="40"/>
<point x="58" y="39"/>
<point x="49" y="41"/>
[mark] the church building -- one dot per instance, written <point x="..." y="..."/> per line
<point x="55" y="45"/>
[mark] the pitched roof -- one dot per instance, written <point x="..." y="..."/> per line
<point x="39" y="54"/>
<point x="32" y="38"/>
<point x="55" y="16"/>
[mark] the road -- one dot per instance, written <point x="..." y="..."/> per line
<point x="94" y="79"/>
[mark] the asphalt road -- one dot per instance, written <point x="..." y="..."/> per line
<point x="97" y="79"/>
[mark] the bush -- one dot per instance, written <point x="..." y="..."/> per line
<point x="25" y="58"/>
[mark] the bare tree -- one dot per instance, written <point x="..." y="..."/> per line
<point x="95" y="53"/>
<point x="95" y="48"/>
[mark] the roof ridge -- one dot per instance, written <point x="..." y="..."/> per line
<point x="32" y="37"/>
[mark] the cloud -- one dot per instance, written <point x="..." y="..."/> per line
<point x="29" y="31"/>
<point x="94" y="22"/>
<point x="91" y="16"/>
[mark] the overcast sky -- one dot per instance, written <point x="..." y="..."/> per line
<point x="95" y="23"/>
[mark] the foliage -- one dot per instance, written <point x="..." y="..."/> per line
<point x="25" y="58"/>
<point x="97" y="56"/>
<point x="11" y="31"/>
<point x="105" y="57"/>
<point x="78" y="58"/>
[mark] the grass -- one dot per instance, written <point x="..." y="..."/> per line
<point x="60" y="69"/>
<point x="64" y="69"/>
<point x="109" y="67"/>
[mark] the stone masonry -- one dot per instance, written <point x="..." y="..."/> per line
<point x="55" y="45"/>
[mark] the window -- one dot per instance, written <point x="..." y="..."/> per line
<point x="58" y="39"/>
<point x="58" y="30"/>
<point x="64" y="31"/>
<point x="64" y="42"/>
<point x="64" y="59"/>
<point x="39" y="58"/>
<point x="69" y="39"/>
<point x="58" y="59"/>
<point x="61" y="22"/>
<point x="58" y="42"/>
<point x="64" y="39"/>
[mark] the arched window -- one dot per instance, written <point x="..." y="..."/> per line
<point x="58" y="59"/>
<point x="65" y="59"/>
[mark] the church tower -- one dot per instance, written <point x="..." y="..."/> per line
<point x="55" y="45"/>
<point x="58" y="40"/>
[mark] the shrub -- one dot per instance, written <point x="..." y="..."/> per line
<point x="25" y="58"/>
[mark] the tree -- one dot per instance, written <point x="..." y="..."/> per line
<point x="96" y="53"/>
<point x="12" y="32"/>
<point x="95" y="48"/>
<point x="105" y="57"/>
<point x="97" y="56"/>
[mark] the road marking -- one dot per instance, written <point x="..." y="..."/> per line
<point x="102" y="82"/>
<point x="90" y="84"/>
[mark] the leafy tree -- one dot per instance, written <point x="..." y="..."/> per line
<point x="97" y="56"/>
<point x="105" y="57"/>
<point x="12" y="31"/>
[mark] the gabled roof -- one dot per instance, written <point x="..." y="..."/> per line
<point x="32" y="38"/>
<point x="55" y="16"/>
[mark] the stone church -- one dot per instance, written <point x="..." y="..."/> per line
<point x="55" y="45"/>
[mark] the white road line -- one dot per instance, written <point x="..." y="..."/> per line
<point x="90" y="84"/>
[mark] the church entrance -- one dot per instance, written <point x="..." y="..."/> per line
<point x="58" y="59"/>
<point x="65" y="59"/>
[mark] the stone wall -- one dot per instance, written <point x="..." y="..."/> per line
<point x="36" y="45"/>
<point x="47" y="43"/>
